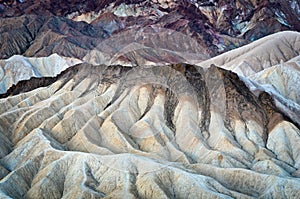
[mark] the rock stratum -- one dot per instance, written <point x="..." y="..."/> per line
<point x="173" y="131"/>
<point x="74" y="28"/>
<point x="127" y="99"/>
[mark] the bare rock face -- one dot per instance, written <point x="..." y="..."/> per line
<point x="18" y="68"/>
<point x="32" y="35"/>
<point x="74" y="28"/>
<point x="259" y="55"/>
<point x="16" y="35"/>
<point x="152" y="132"/>
<point x="271" y="64"/>
<point x="126" y="99"/>
<point x="282" y="77"/>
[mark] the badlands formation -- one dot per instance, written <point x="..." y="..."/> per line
<point x="147" y="99"/>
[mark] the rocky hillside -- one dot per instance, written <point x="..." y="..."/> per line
<point x="149" y="99"/>
<point x="147" y="132"/>
<point x="73" y="28"/>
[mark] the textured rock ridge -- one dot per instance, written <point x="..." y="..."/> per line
<point x="149" y="99"/>
<point x="18" y="68"/>
<point x="32" y="35"/>
<point x="259" y="55"/>
<point x="113" y="131"/>
<point x="74" y="28"/>
<point x="272" y="65"/>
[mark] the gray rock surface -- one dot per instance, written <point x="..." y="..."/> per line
<point x="177" y="131"/>
<point x="18" y="68"/>
<point x="121" y="99"/>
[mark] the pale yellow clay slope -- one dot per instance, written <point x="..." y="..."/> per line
<point x="18" y="68"/>
<point x="96" y="134"/>
<point x="259" y="55"/>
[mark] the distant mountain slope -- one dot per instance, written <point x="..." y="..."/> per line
<point x="41" y="28"/>
<point x="259" y="55"/>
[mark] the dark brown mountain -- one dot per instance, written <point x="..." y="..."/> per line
<point x="40" y="28"/>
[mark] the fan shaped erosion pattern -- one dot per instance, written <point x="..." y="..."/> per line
<point x="149" y="99"/>
<point x="99" y="132"/>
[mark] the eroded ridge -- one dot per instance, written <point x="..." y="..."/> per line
<point x="177" y="131"/>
